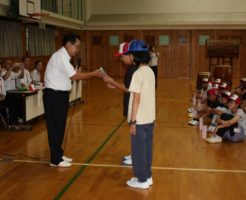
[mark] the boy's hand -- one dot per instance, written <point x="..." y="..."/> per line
<point x="108" y="80"/>
<point x="133" y="129"/>
<point x="110" y="86"/>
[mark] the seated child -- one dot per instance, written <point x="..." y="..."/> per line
<point x="232" y="127"/>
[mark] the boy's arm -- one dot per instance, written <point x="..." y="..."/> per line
<point x="112" y="82"/>
<point x="135" y="105"/>
<point x="224" y="124"/>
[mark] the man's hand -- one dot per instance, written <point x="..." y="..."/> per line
<point x="133" y="129"/>
<point x="97" y="73"/>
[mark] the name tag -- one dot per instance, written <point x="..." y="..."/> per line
<point x="236" y="130"/>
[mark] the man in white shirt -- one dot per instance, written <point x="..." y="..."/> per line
<point x="26" y="80"/>
<point x="10" y="74"/>
<point x="57" y="79"/>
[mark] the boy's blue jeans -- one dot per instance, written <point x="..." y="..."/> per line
<point x="142" y="144"/>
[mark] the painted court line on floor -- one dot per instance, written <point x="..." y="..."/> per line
<point x="154" y="168"/>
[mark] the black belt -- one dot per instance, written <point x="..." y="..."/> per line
<point x="58" y="91"/>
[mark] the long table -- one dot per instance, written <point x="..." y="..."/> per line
<point x="32" y="101"/>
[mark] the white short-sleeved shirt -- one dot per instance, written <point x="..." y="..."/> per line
<point x="242" y="120"/>
<point x="35" y="75"/>
<point x="154" y="59"/>
<point x="2" y="87"/>
<point x="10" y="83"/>
<point x="27" y="78"/>
<point x="58" y="71"/>
<point x="143" y="82"/>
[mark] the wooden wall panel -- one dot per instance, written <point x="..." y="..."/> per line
<point x="111" y="63"/>
<point x="199" y="59"/>
<point x="95" y="49"/>
<point x="183" y="57"/>
<point x="164" y="66"/>
<point x="180" y="54"/>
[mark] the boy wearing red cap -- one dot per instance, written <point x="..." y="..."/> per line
<point x="125" y="58"/>
<point x="205" y="109"/>
<point x="223" y="108"/>
<point x="231" y="127"/>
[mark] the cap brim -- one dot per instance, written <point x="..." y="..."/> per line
<point x="118" y="54"/>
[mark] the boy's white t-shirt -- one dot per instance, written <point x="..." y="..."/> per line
<point x="242" y="120"/>
<point x="143" y="82"/>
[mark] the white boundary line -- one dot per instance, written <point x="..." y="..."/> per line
<point x="155" y="168"/>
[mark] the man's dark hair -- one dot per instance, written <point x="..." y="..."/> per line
<point x="24" y="58"/>
<point x="141" y="57"/>
<point x="71" y="37"/>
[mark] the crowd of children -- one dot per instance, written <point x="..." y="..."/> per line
<point x="223" y="108"/>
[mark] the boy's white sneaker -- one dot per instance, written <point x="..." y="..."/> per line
<point x="127" y="157"/>
<point x="193" y="122"/>
<point x="61" y="164"/>
<point x="67" y="159"/>
<point x="149" y="180"/>
<point x="214" y="139"/>
<point x="127" y="162"/>
<point x="211" y="128"/>
<point x="190" y="110"/>
<point x="136" y="184"/>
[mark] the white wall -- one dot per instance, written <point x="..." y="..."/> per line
<point x="88" y="6"/>
<point x="166" y="6"/>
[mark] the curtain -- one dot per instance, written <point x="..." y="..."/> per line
<point x="41" y="42"/>
<point x="10" y="39"/>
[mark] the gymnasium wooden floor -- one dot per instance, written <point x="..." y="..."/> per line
<point x="184" y="166"/>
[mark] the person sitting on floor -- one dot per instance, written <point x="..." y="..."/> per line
<point x="224" y="100"/>
<point x="205" y="109"/>
<point x="201" y="95"/>
<point x="232" y="127"/>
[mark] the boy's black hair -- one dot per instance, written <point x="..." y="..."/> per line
<point x="141" y="57"/>
<point x="244" y="96"/>
<point x="71" y="37"/>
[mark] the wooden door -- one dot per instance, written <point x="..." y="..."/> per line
<point x="164" y="48"/>
<point x="200" y="60"/>
<point x="111" y="63"/>
<point x="95" y="49"/>
<point x="180" y="61"/>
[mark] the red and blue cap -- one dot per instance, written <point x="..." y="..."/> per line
<point x="123" y="49"/>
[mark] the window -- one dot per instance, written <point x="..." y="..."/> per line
<point x="69" y="8"/>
